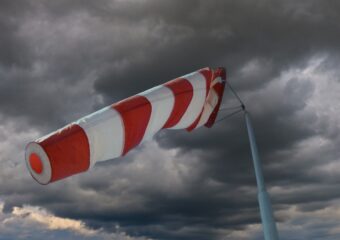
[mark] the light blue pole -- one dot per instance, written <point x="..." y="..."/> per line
<point x="268" y="222"/>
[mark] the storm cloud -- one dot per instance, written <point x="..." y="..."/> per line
<point x="61" y="60"/>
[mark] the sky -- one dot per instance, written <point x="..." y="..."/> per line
<point x="61" y="60"/>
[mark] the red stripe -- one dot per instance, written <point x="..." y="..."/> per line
<point x="183" y="92"/>
<point x="135" y="112"/>
<point x="68" y="151"/>
<point x="207" y="73"/>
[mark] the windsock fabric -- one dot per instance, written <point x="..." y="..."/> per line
<point x="187" y="103"/>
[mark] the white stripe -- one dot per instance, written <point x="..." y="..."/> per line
<point x="105" y="133"/>
<point x="198" y="83"/>
<point x="216" y="80"/>
<point x="210" y="103"/>
<point x="162" y="102"/>
<point x="209" y="106"/>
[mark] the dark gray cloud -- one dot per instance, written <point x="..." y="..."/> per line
<point x="62" y="60"/>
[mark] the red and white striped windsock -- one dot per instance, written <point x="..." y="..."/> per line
<point x="187" y="102"/>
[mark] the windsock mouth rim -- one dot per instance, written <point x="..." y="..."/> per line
<point x="44" y="177"/>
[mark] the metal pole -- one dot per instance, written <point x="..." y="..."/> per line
<point x="268" y="222"/>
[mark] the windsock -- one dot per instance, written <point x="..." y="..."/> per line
<point x="188" y="102"/>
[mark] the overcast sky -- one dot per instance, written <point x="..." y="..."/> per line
<point x="61" y="60"/>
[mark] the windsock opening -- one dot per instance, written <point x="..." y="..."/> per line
<point x="36" y="164"/>
<point x="63" y="153"/>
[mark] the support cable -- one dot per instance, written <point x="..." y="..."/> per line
<point x="229" y="115"/>
<point x="236" y="95"/>
<point x="230" y="108"/>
